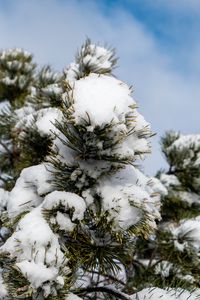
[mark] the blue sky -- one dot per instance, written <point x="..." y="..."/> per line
<point x="157" y="42"/>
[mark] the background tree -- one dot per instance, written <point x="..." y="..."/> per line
<point x="23" y="90"/>
<point x="170" y="258"/>
<point x="16" y="78"/>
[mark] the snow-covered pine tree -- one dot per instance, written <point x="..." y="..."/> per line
<point x="75" y="217"/>
<point x="16" y="77"/>
<point x="34" y="143"/>
<point x="23" y="90"/>
<point x="170" y="258"/>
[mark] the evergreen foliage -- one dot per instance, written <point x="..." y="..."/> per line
<point x="78" y="218"/>
<point x="23" y="90"/>
<point x="170" y="258"/>
<point x="16" y="76"/>
<point x="73" y="219"/>
<point x="91" y="59"/>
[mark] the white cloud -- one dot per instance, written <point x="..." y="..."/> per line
<point x="53" y="31"/>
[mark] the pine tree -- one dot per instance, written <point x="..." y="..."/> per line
<point x="80" y="220"/>
<point x="23" y="90"/>
<point x="75" y="217"/>
<point x="170" y="258"/>
<point x="33" y="143"/>
<point x="16" y="76"/>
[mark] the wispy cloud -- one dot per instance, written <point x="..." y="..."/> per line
<point x="165" y="80"/>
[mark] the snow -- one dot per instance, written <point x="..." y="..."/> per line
<point x="103" y="98"/>
<point x="3" y="291"/>
<point x="38" y="273"/>
<point x="17" y="67"/>
<point x="36" y="249"/>
<point x="127" y="197"/>
<point x="163" y="268"/>
<point x="186" y="141"/>
<point x="31" y="185"/>
<point x="85" y="279"/>
<point x="187" y="234"/>
<point x="4" y="106"/>
<point x="119" y="206"/>
<point x="64" y="153"/>
<point x="4" y="196"/>
<point x="4" y="233"/>
<point x="8" y="81"/>
<point x="34" y="240"/>
<point x="92" y="58"/>
<point x="68" y="201"/>
<point x="33" y="244"/>
<point x="52" y="89"/>
<point x="158" y="186"/>
<point x="133" y="145"/>
<point x="98" y="56"/>
<point x="47" y="75"/>
<point x="189" y="197"/>
<point x="188" y="278"/>
<point x="14" y="52"/>
<point x="72" y="73"/>
<point x="155" y="293"/>
<point x="43" y="119"/>
<point x="23" y="113"/>
<point x="46" y="119"/>
<point x="63" y="221"/>
<point x="191" y="145"/>
<point x="169" y="180"/>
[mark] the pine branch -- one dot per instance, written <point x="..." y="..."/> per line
<point x="109" y="277"/>
<point x="104" y="289"/>
<point x="5" y="147"/>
